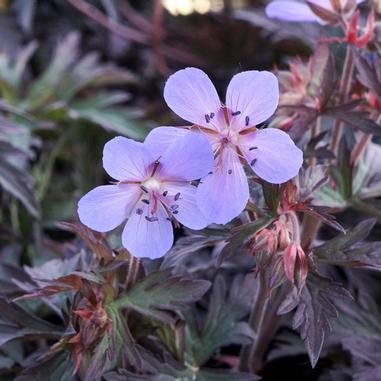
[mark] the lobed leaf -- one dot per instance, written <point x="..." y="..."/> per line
<point x="160" y="293"/>
<point x="315" y="308"/>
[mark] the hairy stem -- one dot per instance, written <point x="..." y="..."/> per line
<point x="293" y="219"/>
<point x="310" y="229"/>
<point x="345" y="85"/>
<point x="361" y="144"/>
<point x="315" y="132"/>
<point x="249" y="360"/>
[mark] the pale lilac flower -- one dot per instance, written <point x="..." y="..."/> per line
<point x="251" y="98"/>
<point x="299" y="11"/>
<point x="152" y="189"/>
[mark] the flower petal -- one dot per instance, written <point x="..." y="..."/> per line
<point x="181" y="200"/>
<point x="107" y="206"/>
<point x="223" y="195"/>
<point x="160" y="139"/>
<point x="272" y="155"/>
<point x="189" y="157"/>
<point x="255" y="95"/>
<point x="144" y="238"/>
<point x="126" y="159"/>
<point x="291" y="11"/>
<point x="192" y="96"/>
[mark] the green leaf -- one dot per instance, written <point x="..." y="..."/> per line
<point x="333" y="247"/>
<point x="223" y="324"/>
<point x="11" y="71"/>
<point x="160" y="292"/>
<point x="56" y="368"/>
<point x="113" y="350"/>
<point x="241" y="235"/>
<point x="64" y="56"/>
<point x="118" y="121"/>
<point x="16" y="181"/>
<point x="347" y="250"/>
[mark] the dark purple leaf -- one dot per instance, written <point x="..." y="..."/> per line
<point x="315" y="308"/>
<point x="18" y="323"/>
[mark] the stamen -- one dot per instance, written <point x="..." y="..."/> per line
<point x="168" y="219"/>
<point x="253" y="162"/>
<point x="252" y="148"/>
<point x="207" y="118"/>
<point x="235" y="113"/>
<point x="174" y="207"/>
<point x="151" y="219"/>
<point x="177" y="196"/>
<point x="143" y="188"/>
<point x="139" y="211"/>
<point x="230" y="171"/>
<point x="247" y="121"/>
<point x="175" y="212"/>
<point x="165" y="193"/>
<point x="145" y="201"/>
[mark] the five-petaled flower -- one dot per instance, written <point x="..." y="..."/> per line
<point x="251" y="98"/>
<point x="153" y="189"/>
<point x="321" y="11"/>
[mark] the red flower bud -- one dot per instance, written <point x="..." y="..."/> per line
<point x="295" y="265"/>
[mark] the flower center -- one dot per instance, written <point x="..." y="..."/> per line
<point x="152" y="184"/>
<point x="228" y="135"/>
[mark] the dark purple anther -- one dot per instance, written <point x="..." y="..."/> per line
<point x="151" y="219"/>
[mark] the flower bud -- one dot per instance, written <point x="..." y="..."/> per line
<point x="295" y="265"/>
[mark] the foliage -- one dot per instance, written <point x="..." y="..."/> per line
<point x="294" y="277"/>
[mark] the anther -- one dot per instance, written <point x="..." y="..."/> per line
<point x="235" y="113"/>
<point x="175" y="212"/>
<point x="252" y="148"/>
<point x="207" y="118"/>
<point x="145" y="201"/>
<point x="174" y="207"/>
<point x="253" y="162"/>
<point x="247" y="121"/>
<point x="210" y="173"/>
<point x="177" y="196"/>
<point x="143" y="188"/>
<point x="139" y="211"/>
<point x="151" y="219"/>
<point x="212" y="114"/>
<point x="165" y="193"/>
<point x="230" y="171"/>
